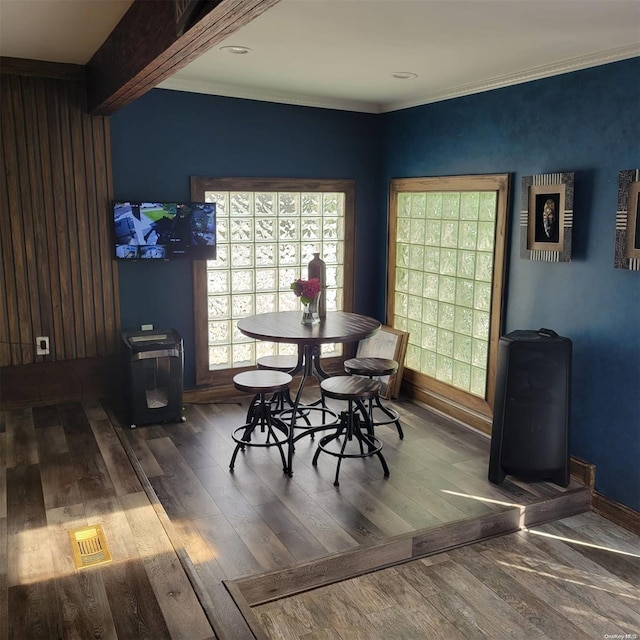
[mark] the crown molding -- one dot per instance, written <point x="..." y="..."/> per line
<point x="535" y="73"/>
<point x="250" y="93"/>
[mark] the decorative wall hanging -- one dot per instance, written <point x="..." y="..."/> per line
<point x="546" y="217"/>
<point x="627" y="253"/>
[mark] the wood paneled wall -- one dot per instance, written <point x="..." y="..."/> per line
<point x="57" y="276"/>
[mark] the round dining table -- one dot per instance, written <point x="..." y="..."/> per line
<point x="286" y="326"/>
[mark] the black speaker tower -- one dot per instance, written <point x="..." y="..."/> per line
<point x="530" y="435"/>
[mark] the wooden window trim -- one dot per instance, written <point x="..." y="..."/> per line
<point x="462" y="405"/>
<point x="221" y="380"/>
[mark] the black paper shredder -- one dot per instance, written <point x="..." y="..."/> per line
<point x="154" y="363"/>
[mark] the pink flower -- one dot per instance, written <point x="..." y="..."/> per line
<point x="306" y="290"/>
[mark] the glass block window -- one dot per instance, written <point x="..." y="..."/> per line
<point x="446" y="278"/>
<point x="265" y="240"/>
<point x="444" y="269"/>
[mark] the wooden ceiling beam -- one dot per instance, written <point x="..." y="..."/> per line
<point x="144" y="49"/>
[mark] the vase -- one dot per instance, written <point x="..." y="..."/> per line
<point x="318" y="269"/>
<point x="310" y="312"/>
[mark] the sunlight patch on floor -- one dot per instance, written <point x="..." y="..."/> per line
<point x="581" y="542"/>
<point x="483" y="499"/>
<point x="582" y="580"/>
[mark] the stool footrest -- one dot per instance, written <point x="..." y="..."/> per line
<point x="373" y="444"/>
<point x="350" y="433"/>
<point x="244" y="440"/>
<point x="392" y="414"/>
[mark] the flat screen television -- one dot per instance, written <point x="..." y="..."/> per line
<point x="164" y="230"/>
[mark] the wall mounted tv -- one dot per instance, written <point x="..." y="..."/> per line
<point x="164" y="230"/>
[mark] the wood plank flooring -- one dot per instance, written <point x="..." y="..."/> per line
<point x="63" y="467"/>
<point x="578" y="578"/>
<point x="186" y="532"/>
<point x="236" y="525"/>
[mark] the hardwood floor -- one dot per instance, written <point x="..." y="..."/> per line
<point x="63" y="468"/>
<point x="196" y="547"/>
<point x="521" y="586"/>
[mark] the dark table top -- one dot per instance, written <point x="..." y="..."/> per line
<point x="285" y="326"/>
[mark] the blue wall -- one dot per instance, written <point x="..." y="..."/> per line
<point x="587" y="122"/>
<point x="165" y="137"/>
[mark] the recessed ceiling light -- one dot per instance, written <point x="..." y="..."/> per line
<point x="404" y="75"/>
<point x="237" y="50"/>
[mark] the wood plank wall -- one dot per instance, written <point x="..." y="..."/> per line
<point x="57" y="276"/>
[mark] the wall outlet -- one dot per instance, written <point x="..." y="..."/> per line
<point x="42" y="346"/>
<point x="146" y="327"/>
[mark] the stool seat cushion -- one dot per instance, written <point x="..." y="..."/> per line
<point x="262" y="381"/>
<point x="349" y="387"/>
<point x="370" y="366"/>
<point x="277" y="363"/>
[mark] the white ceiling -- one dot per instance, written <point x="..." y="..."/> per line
<point x="57" y="30"/>
<point x="341" y="53"/>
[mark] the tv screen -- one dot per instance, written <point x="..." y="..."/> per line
<point x="164" y="230"/>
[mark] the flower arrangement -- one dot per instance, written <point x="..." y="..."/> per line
<point x="306" y="290"/>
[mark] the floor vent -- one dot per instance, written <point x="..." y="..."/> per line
<point x="89" y="546"/>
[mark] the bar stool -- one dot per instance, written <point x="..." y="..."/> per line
<point x="261" y="383"/>
<point x="373" y="367"/>
<point x="281" y="402"/>
<point x="284" y="364"/>
<point x="349" y="433"/>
